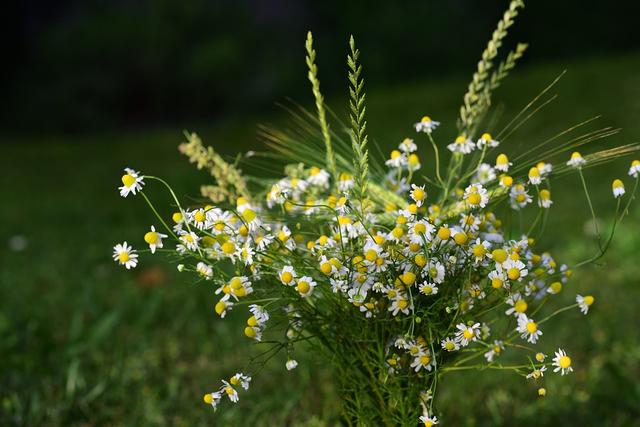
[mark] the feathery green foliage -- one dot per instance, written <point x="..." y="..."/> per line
<point x="315" y="84"/>
<point x="357" y="108"/>
<point x="479" y="90"/>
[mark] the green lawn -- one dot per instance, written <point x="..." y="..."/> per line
<point x="83" y="342"/>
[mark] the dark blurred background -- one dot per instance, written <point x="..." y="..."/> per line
<point x="74" y="66"/>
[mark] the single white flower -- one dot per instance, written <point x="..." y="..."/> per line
<point x="426" y="125"/>
<point x="154" y="239"/>
<point x="132" y="182"/>
<point x="562" y="362"/>
<point x="125" y="255"/>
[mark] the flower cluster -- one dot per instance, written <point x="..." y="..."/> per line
<point x="399" y="275"/>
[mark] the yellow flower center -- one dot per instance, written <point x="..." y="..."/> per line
<point x="486" y="136"/>
<point x="499" y="255"/>
<point x="128" y="180"/>
<point x="534" y="172"/>
<point x="532" y="327"/>
<point x="413" y="159"/>
<point x="176" y="217"/>
<point x="520" y="306"/>
<point x="444" y="233"/>
<point x="249" y="332"/>
<point x="496" y="283"/>
<point x="395" y="154"/>
<point x="228" y="248"/>
<point x="286" y="277"/>
<point x="420" y="228"/>
<point x="461" y="238"/>
<point x="449" y="345"/>
<point x="420" y="260"/>
<point x="479" y="251"/>
<point x="564" y="362"/>
<point x="507" y="181"/>
<point x="402" y="304"/>
<point x="424" y="360"/>
<point x="151" y="237"/>
<point x="398" y="232"/>
<point x="252" y="321"/>
<point x="474" y="198"/>
<point x="199" y="216"/>
<point x="468" y="333"/>
<point x="408" y="278"/>
<point x="513" y="273"/>
<point x="303" y="286"/>
<point x="249" y="215"/>
<point x="426" y="119"/>
<point x="123" y="257"/>
<point x="588" y="300"/>
<point x="220" y="306"/>
<point x="418" y="194"/>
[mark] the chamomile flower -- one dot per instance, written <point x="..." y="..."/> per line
<point x="125" y="255"/>
<point x="462" y="145"/>
<point x="534" y="176"/>
<point x="212" y="399"/>
<point x="418" y="194"/>
<point x="132" y="182"/>
<point x="634" y="169"/>
<point x="515" y="269"/>
<point x="537" y="373"/>
<point x="223" y="306"/>
<point x="618" y="188"/>
<point x="435" y="271"/>
<point x="476" y="196"/>
<point x="231" y="392"/>
<point x="487" y="140"/>
<point x="305" y="286"/>
<point x="426" y="125"/>
<point x="396" y="159"/>
<point x="413" y="162"/>
<point x="544" y="199"/>
<point x="399" y="304"/>
<point x="318" y="177"/>
<point x="241" y="379"/>
<point x="188" y="241"/>
<point x="502" y="163"/>
<point x="494" y="350"/>
<point x="428" y="421"/>
<point x="584" y="302"/>
<point x="205" y="271"/>
<point x="562" y="362"/>
<point x="576" y="160"/>
<point x="408" y="146"/>
<point x="465" y="333"/>
<point x="449" y="344"/>
<point x="154" y="239"/>
<point x="422" y="360"/>
<point x="345" y="181"/>
<point x="427" y="288"/>
<point x="287" y="275"/>
<point x="291" y="364"/>
<point x="528" y="329"/>
<point x="485" y="173"/>
<point x="519" y="197"/>
<point x="544" y="168"/>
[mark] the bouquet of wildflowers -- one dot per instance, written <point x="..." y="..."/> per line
<point x="397" y="272"/>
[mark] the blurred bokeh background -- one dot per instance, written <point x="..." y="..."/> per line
<point x="90" y="87"/>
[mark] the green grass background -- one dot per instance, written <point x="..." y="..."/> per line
<point x="84" y="342"/>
